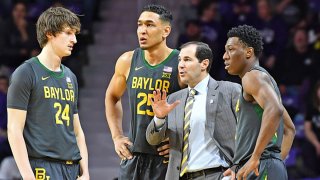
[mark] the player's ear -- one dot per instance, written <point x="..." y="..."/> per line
<point x="166" y="31"/>
<point x="249" y="52"/>
<point x="49" y="35"/>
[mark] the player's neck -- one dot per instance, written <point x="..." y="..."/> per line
<point x="155" y="56"/>
<point x="49" y="59"/>
<point x="249" y="67"/>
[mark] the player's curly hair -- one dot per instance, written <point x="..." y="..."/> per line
<point x="165" y="14"/>
<point x="249" y="36"/>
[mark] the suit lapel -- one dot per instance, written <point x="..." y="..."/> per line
<point x="211" y="105"/>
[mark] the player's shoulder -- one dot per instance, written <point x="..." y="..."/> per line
<point x="174" y="53"/>
<point x="229" y="84"/>
<point x="124" y="62"/>
<point x="25" y="68"/>
<point x="24" y="74"/>
<point x="254" y="80"/>
<point x="68" y="72"/>
<point x="66" y="69"/>
<point x="126" y="57"/>
<point x="255" y="77"/>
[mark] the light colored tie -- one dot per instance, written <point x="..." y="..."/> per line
<point x="186" y="131"/>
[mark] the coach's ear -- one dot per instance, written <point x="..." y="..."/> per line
<point x="204" y="64"/>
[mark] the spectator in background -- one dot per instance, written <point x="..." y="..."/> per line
<point x="17" y="38"/>
<point x="211" y="27"/>
<point x="273" y="32"/>
<point x="192" y="33"/>
<point x="292" y="11"/>
<point x="295" y="69"/>
<point x="5" y="5"/>
<point x="311" y="150"/>
<point x="242" y="12"/>
<point x="316" y="48"/>
<point x="187" y="12"/>
<point x="4" y="144"/>
<point x="212" y="30"/>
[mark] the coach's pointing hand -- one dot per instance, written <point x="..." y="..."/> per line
<point x="159" y="104"/>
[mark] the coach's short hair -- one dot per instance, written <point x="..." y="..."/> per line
<point x="203" y="52"/>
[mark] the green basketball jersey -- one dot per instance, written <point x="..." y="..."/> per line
<point x="142" y="81"/>
<point x="50" y="99"/>
<point x="249" y="117"/>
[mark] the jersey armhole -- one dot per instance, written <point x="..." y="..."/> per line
<point x="133" y="63"/>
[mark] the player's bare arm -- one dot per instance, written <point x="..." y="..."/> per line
<point x="16" y="122"/>
<point x="84" y="170"/>
<point x="288" y="134"/>
<point x="258" y="89"/>
<point x="113" y="104"/>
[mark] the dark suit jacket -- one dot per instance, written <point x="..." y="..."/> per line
<point x="221" y="121"/>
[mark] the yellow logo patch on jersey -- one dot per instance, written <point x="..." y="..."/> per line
<point x="166" y="75"/>
<point x="70" y="85"/>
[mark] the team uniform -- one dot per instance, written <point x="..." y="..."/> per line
<point x="248" y="128"/>
<point x="50" y="99"/>
<point x="143" y="79"/>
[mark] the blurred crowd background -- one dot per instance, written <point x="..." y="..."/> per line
<point x="290" y="31"/>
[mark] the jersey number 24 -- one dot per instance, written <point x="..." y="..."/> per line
<point x="62" y="114"/>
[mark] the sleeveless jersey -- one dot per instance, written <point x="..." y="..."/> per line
<point x="142" y="81"/>
<point x="248" y="128"/>
<point x="50" y="99"/>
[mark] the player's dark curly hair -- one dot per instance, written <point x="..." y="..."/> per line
<point x="249" y="36"/>
<point x="165" y="14"/>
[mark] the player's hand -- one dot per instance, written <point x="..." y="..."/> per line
<point x="83" y="177"/>
<point x="159" y="104"/>
<point x="229" y="173"/>
<point x="164" y="150"/>
<point x="251" y="165"/>
<point x="121" y="144"/>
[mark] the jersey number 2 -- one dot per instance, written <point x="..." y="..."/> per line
<point x="64" y="115"/>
